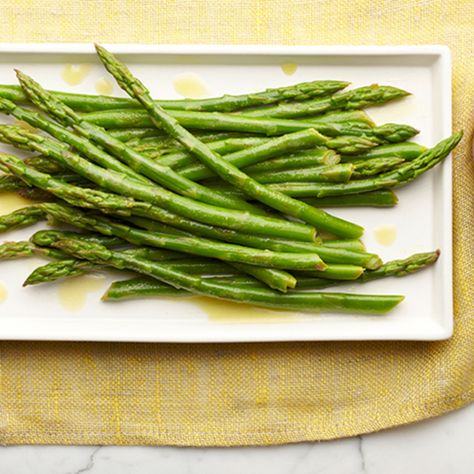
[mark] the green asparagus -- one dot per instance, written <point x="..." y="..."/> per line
<point x="353" y="99"/>
<point x="226" y="103"/>
<point x="378" y="198"/>
<point x="406" y="150"/>
<point x="23" y="217"/>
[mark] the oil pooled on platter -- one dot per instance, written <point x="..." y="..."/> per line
<point x="104" y="86"/>
<point x="190" y="86"/>
<point x="74" y="74"/>
<point x="73" y="291"/>
<point x="3" y="293"/>
<point x="228" y="312"/>
<point x="385" y="235"/>
<point x="11" y="201"/>
<point x="289" y="68"/>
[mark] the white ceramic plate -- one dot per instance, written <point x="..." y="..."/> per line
<point x="422" y="218"/>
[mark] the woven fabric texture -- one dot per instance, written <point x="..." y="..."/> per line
<point x="243" y="394"/>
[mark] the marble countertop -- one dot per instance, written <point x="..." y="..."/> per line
<point x="441" y="445"/>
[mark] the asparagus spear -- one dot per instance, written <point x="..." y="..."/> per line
<point x="398" y="177"/>
<point x="9" y="183"/>
<point x="146" y="287"/>
<point x="378" y="198"/>
<point x="355" y="245"/>
<point x="302" y="301"/>
<point x="242" y="158"/>
<point x="374" y="166"/>
<point x="340" y="173"/>
<point x="303" y="159"/>
<point x="406" y="150"/>
<point x="227" y="103"/>
<point x="23" y="217"/>
<point x="348" y="116"/>
<point x="151" y="139"/>
<point x="22" y="249"/>
<point x="221" y="167"/>
<point x="354" y="99"/>
<point x="201" y="212"/>
<point x="186" y="244"/>
<point x="69" y="268"/>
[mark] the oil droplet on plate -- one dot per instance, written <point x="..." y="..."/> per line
<point x="104" y="86"/>
<point x="289" y="68"/>
<point x="385" y="235"/>
<point x="73" y="291"/>
<point x="74" y="74"/>
<point x="3" y="293"/>
<point x="228" y="312"/>
<point x="190" y="86"/>
<point x="10" y="202"/>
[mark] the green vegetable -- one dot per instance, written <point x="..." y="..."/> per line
<point x="23" y="217"/>
<point x="378" y="198"/>
<point x="340" y="173"/>
<point x="353" y="99"/>
<point x="406" y="150"/>
<point x="227" y="103"/>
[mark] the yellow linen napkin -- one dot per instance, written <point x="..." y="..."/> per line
<point x="242" y="394"/>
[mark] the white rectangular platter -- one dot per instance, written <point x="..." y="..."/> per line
<point x="422" y="218"/>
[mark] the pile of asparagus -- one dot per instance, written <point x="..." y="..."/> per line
<point x="220" y="197"/>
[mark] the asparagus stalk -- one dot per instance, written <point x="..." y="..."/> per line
<point x="348" y="116"/>
<point x="374" y="166"/>
<point x="355" y="245"/>
<point x="22" y="249"/>
<point x="229" y="218"/>
<point x="226" y="103"/>
<point x="145" y="287"/>
<point x="405" y="150"/>
<point x="186" y="244"/>
<point x="303" y="159"/>
<point x="398" y="177"/>
<point x="301" y="301"/>
<point x="354" y="99"/>
<point x="23" y="217"/>
<point x="246" y="157"/>
<point x="9" y="183"/>
<point x="378" y="198"/>
<point x="340" y="173"/>
<point x="221" y="167"/>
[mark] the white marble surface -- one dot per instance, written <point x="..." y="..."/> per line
<point x="443" y="445"/>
